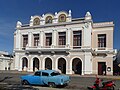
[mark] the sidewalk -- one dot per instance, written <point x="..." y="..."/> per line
<point x="73" y="75"/>
<point x="48" y="88"/>
<point x="15" y="71"/>
<point x="100" y="76"/>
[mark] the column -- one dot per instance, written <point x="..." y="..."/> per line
<point x="56" y="64"/>
<point x="41" y="38"/>
<point x="40" y="64"/>
<point x="18" y="40"/>
<point x="15" y="36"/>
<point x="69" y="71"/>
<point x="20" y="65"/>
<point x="30" y="65"/>
<point x="87" y="35"/>
<point x="17" y="61"/>
<point x="54" y="38"/>
<point x="67" y="67"/>
<point x="68" y="38"/>
<point x="43" y="64"/>
<point x="88" y="63"/>
<point x="29" y="39"/>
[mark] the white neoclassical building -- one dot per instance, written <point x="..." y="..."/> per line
<point x="6" y="61"/>
<point x="60" y="42"/>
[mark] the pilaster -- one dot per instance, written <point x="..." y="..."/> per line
<point x="68" y="39"/>
<point x="43" y="65"/>
<point x="88" y="63"/>
<point x="87" y="30"/>
<point x="41" y="38"/>
<point x="54" y="38"/>
<point x="56" y="64"/>
<point x="17" y="61"/>
<point x="18" y="40"/>
<point x="29" y="39"/>
<point x="30" y="65"/>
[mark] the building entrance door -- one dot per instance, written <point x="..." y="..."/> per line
<point x="35" y="64"/>
<point x="62" y="65"/>
<point x="77" y="66"/>
<point x="101" y="68"/>
<point x="48" y="63"/>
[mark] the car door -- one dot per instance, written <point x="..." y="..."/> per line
<point x="36" y="79"/>
<point x="44" y="78"/>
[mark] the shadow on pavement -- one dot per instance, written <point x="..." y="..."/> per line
<point x="5" y="78"/>
<point x="16" y="87"/>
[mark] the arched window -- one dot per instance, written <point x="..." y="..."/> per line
<point x="48" y="20"/>
<point x="62" y="18"/>
<point x="36" y="21"/>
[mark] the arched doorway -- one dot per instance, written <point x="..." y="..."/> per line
<point x="77" y="66"/>
<point x="24" y="64"/>
<point x="35" y="64"/>
<point x="48" y="63"/>
<point x="62" y="65"/>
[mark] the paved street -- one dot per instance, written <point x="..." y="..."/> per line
<point x="11" y="81"/>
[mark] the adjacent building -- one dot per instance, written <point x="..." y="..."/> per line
<point x="6" y="61"/>
<point x="60" y="42"/>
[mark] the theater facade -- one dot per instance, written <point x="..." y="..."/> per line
<point x="69" y="45"/>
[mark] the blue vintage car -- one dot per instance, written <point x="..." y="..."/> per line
<point x="51" y="78"/>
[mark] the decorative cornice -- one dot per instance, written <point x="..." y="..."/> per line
<point x="103" y="24"/>
<point x="55" y="24"/>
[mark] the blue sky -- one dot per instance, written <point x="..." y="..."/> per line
<point x="13" y="10"/>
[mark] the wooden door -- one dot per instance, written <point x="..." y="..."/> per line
<point x="101" y="68"/>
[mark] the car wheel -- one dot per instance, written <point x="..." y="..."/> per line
<point x="25" y="82"/>
<point x="51" y="84"/>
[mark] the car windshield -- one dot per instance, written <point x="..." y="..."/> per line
<point x="55" y="73"/>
